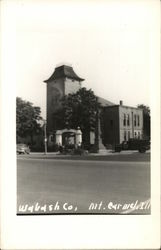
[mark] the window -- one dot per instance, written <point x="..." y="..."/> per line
<point x="135" y="135"/>
<point x="124" y="135"/>
<point x="124" y="121"/>
<point x="128" y="120"/>
<point x="51" y="138"/>
<point x="128" y="135"/>
<point x="111" y="123"/>
<point x="138" y="120"/>
<point x="138" y="135"/>
<point x="134" y="120"/>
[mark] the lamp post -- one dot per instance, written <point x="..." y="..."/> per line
<point x="97" y="128"/>
<point x="45" y="137"/>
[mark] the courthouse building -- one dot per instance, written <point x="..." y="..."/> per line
<point x="119" y="122"/>
<point x="122" y="123"/>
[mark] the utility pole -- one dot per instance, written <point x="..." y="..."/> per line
<point x="97" y="128"/>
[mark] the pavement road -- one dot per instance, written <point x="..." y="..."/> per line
<point x="52" y="185"/>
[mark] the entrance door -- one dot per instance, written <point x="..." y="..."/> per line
<point x="68" y="138"/>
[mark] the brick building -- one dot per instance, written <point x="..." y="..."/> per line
<point x="119" y="122"/>
<point x="122" y="123"/>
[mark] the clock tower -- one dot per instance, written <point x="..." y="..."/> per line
<point x="62" y="82"/>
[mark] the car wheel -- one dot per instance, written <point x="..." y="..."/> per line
<point x="142" y="150"/>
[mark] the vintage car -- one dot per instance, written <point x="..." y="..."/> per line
<point x="133" y="144"/>
<point x="23" y="149"/>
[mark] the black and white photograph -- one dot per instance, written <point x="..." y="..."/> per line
<point x="82" y="115"/>
<point x="89" y="156"/>
<point x="83" y="75"/>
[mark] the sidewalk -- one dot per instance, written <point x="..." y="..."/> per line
<point x="131" y="156"/>
<point x="111" y="152"/>
<point x="100" y="153"/>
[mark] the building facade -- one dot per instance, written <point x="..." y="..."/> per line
<point x="119" y="122"/>
<point x="122" y="123"/>
<point x="62" y="82"/>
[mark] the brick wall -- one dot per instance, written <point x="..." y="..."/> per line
<point x="122" y="123"/>
<point x="131" y="123"/>
<point x="111" y="125"/>
<point x="56" y="89"/>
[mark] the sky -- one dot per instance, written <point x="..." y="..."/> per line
<point x="108" y="43"/>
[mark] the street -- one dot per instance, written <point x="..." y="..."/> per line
<point x="117" y="184"/>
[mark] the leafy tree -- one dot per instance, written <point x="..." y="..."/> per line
<point x="146" y="120"/>
<point x="27" y="119"/>
<point x="80" y="110"/>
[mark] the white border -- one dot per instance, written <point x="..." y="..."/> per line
<point x="71" y="232"/>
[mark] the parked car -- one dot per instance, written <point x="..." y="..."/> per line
<point x="133" y="144"/>
<point x="23" y="149"/>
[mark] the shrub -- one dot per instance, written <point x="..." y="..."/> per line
<point x="80" y="151"/>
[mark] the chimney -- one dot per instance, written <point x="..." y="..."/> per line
<point x="121" y="103"/>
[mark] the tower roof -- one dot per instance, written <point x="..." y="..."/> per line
<point x="64" y="71"/>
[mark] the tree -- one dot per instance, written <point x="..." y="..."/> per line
<point x="80" y="110"/>
<point x="146" y="120"/>
<point x="27" y="119"/>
